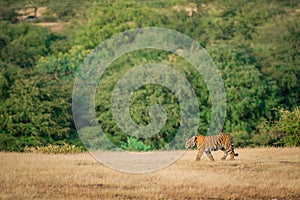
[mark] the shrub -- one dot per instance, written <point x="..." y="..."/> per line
<point x="285" y="131"/>
<point x="55" y="149"/>
<point x="133" y="144"/>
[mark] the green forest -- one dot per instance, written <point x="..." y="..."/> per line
<point x="254" y="44"/>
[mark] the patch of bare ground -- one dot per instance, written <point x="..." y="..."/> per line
<point x="53" y="26"/>
<point x="35" y="13"/>
<point x="260" y="173"/>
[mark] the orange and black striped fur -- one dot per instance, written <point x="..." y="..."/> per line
<point x="222" y="141"/>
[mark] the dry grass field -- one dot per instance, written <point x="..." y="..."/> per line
<point x="261" y="173"/>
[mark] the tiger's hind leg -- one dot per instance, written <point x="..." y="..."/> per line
<point x="225" y="155"/>
<point x="232" y="155"/>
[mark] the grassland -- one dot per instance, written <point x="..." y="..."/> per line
<point x="260" y="173"/>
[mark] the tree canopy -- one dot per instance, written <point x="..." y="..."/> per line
<point x="255" y="45"/>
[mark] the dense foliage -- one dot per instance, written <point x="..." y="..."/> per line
<point x="285" y="130"/>
<point x="255" y="45"/>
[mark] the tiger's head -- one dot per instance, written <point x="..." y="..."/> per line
<point x="190" y="142"/>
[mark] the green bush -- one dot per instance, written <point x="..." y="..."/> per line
<point x="9" y="143"/>
<point x="286" y="130"/>
<point x="244" y="139"/>
<point x="133" y="144"/>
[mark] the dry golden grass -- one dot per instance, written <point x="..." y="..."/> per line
<point x="262" y="173"/>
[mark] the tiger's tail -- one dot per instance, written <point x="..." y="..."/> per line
<point x="232" y="147"/>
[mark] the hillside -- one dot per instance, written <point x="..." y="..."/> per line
<point x="254" y="45"/>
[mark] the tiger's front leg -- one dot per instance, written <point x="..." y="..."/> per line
<point x="199" y="153"/>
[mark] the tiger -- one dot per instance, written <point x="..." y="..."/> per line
<point x="222" y="141"/>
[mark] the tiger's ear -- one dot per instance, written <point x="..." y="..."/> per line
<point x="195" y="137"/>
